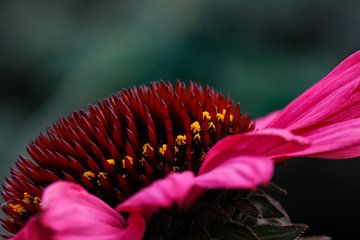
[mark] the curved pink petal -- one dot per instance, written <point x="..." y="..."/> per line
<point x="163" y="193"/>
<point x="238" y="171"/>
<point x="268" y="142"/>
<point x="336" y="141"/>
<point x="264" y="121"/>
<point x="34" y="230"/>
<point x="70" y="213"/>
<point x="328" y="114"/>
<point x="335" y="98"/>
<point x="232" y="171"/>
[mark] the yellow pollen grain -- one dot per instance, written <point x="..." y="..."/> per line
<point x="27" y="195"/>
<point x="206" y="115"/>
<point x="131" y="160"/>
<point x="231" y="117"/>
<point x="176" y="168"/>
<point x="27" y="201"/>
<point x="221" y="116"/>
<point x="176" y="149"/>
<point x="197" y="136"/>
<point x="162" y="149"/>
<point x="146" y="147"/>
<point x="202" y="156"/>
<point x="37" y="201"/>
<point x="212" y="125"/>
<point x="102" y="175"/>
<point x="11" y="219"/>
<point x="181" y="140"/>
<point x="17" y="208"/>
<point x="111" y="161"/>
<point x="27" y="198"/>
<point x="89" y="175"/>
<point x="195" y="127"/>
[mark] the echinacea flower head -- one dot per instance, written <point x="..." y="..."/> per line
<point x="177" y="161"/>
<point x="122" y="145"/>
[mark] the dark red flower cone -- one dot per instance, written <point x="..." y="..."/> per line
<point x="122" y="144"/>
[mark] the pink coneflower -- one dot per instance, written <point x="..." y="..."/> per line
<point x="115" y="169"/>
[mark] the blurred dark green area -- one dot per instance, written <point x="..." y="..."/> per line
<point x="59" y="56"/>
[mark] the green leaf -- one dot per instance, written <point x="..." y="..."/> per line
<point x="206" y="213"/>
<point x="233" y="231"/>
<point x="200" y="234"/>
<point x="245" y="206"/>
<point x="266" y="207"/>
<point x="276" y="189"/>
<point x="316" y="238"/>
<point x="276" y="232"/>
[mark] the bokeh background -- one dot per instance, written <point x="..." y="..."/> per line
<point x="59" y="56"/>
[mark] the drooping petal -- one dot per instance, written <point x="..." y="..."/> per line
<point x="264" y="121"/>
<point x="334" y="99"/>
<point x="328" y="114"/>
<point x="231" y="171"/>
<point x="34" y="230"/>
<point x="163" y="193"/>
<point x="336" y="141"/>
<point x="70" y="213"/>
<point x="238" y="171"/>
<point x="268" y="142"/>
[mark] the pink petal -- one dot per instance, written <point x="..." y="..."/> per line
<point x="70" y="213"/>
<point x="238" y="171"/>
<point x="327" y="114"/>
<point x="34" y="230"/>
<point x="336" y="141"/>
<point x="335" y="98"/>
<point x="163" y="193"/>
<point x="264" y="121"/>
<point x="231" y="171"/>
<point x="268" y="142"/>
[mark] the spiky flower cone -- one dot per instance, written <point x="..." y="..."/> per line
<point x="122" y="144"/>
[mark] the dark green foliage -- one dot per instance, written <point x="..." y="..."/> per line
<point x="277" y="232"/>
<point x="317" y="238"/>
<point x="265" y="207"/>
<point x="228" y="215"/>
<point x="233" y="230"/>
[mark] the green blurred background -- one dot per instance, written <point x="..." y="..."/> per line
<point x="59" y="56"/>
